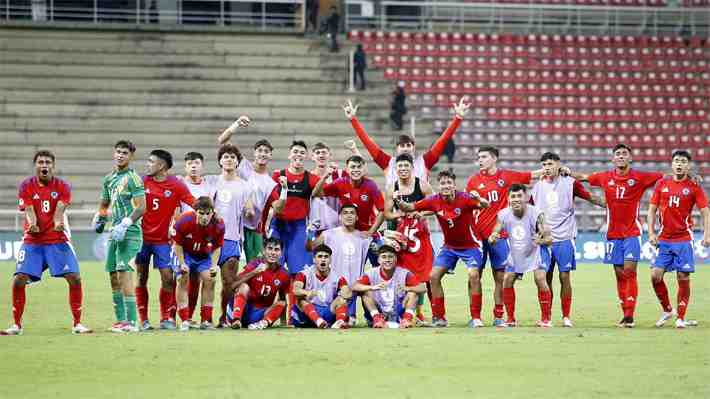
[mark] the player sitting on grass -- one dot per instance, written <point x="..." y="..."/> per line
<point x="255" y="303"/>
<point x="529" y="241"/>
<point x="198" y="240"/>
<point x="321" y="296"/>
<point x="389" y="293"/>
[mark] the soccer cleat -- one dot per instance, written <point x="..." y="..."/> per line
<point x="340" y="325"/>
<point x="406" y="323"/>
<point x="259" y="325"/>
<point x="352" y="321"/>
<point x="691" y="323"/>
<point x="185" y="325"/>
<point x="194" y="325"/>
<point x="679" y="323"/>
<point x="630" y="322"/>
<point x="168" y="324"/>
<point x="544" y="323"/>
<point x="439" y="323"/>
<point x="236" y="324"/>
<point x="511" y="323"/>
<point x="13" y="330"/>
<point x="145" y="326"/>
<point x="566" y="322"/>
<point x="80" y="329"/>
<point x="421" y="323"/>
<point x="622" y="322"/>
<point x="117" y="327"/>
<point x="665" y="316"/>
<point x="498" y="323"/>
<point x="320" y="323"/>
<point x="475" y="323"/>
<point x="378" y="321"/>
<point x="130" y="328"/>
<point x="207" y="326"/>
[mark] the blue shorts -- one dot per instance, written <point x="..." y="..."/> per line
<point x="293" y="239"/>
<point x="545" y="262"/>
<point x="33" y="259"/>
<point x="301" y="320"/>
<point x="448" y="257"/>
<point x="372" y="251"/>
<point x="619" y="251"/>
<point x="563" y="255"/>
<point x="196" y="264"/>
<point x="399" y="312"/>
<point x="162" y="255"/>
<point x="498" y="254"/>
<point x="250" y="315"/>
<point x="675" y="256"/>
<point x="230" y="249"/>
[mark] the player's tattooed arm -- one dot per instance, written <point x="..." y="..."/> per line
<point x="495" y="234"/>
<point x="31" y="219"/>
<point x="651" y="223"/>
<point x="706" y="226"/>
<point x="543" y="235"/>
<point x="138" y="208"/>
<point x="378" y="222"/>
<point x="360" y="287"/>
<point x="390" y="212"/>
<point x="59" y="216"/>
<point x="598" y="200"/>
<point x="241" y="123"/>
<point x="312" y="243"/>
<point x="404" y="206"/>
<point x="575" y="175"/>
<point x="301" y="293"/>
<point x="318" y="189"/>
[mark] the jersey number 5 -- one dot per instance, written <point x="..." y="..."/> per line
<point x="156" y="204"/>
<point x="410" y="233"/>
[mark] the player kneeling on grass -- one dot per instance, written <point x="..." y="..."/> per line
<point x="198" y="241"/>
<point x="255" y="302"/>
<point x="528" y="240"/>
<point x="321" y="296"/>
<point x="389" y="293"/>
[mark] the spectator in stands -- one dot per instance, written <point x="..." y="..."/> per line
<point x="333" y="26"/>
<point x="359" y="65"/>
<point x="312" y="9"/>
<point x="399" y="108"/>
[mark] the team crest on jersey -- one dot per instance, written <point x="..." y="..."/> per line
<point x="686" y="191"/>
<point x="54" y="194"/>
<point x="363" y="198"/>
<point x="168" y="193"/>
<point x="277" y="282"/>
<point x="22" y="202"/>
<point x="501" y="183"/>
<point x="457" y="211"/>
<point x="481" y="186"/>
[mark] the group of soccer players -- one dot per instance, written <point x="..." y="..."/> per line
<point x="306" y="236"/>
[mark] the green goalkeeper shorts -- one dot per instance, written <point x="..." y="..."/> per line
<point x="252" y="244"/>
<point x="120" y="255"/>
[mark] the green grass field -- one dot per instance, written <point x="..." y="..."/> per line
<point x="592" y="360"/>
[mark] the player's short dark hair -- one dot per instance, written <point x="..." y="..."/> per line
<point x="298" y="143"/>
<point x="43" y="153"/>
<point x="322" y="248"/>
<point x="405" y="139"/>
<point x="549" y="156"/>
<point x="125" y="144"/>
<point x="229" y="149"/>
<point x="682" y="153"/>
<point x="356" y="159"/>
<point x="386" y="248"/>
<point x="193" y="155"/>
<point x="620" y="146"/>
<point x="164" y="156"/>
<point x="517" y="187"/>
<point x="404" y="157"/>
<point x="272" y="240"/>
<point x="348" y="205"/>
<point x="265" y="143"/>
<point x="203" y="203"/>
<point x="489" y="149"/>
<point x="320" y="146"/>
<point x="446" y="173"/>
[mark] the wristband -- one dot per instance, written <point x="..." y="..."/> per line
<point x="283" y="194"/>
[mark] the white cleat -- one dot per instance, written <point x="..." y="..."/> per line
<point x="691" y="323"/>
<point x="321" y="323"/>
<point x="117" y="327"/>
<point x="194" y="325"/>
<point x="13" y="330"/>
<point x="259" y="325"/>
<point x="665" y="316"/>
<point x="680" y="323"/>
<point x="80" y="329"/>
<point x="339" y="325"/>
<point x="185" y="325"/>
<point x="566" y="322"/>
<point x="475" y="323"/>
<point x="545" y="323"/>
<point x="130" y="328"/>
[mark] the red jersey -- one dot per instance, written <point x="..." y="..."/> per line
<point x="623" y="200"/>
<point x="494" y="188"/>
<point x="199" y="241"/>
<point x="410" y="281"/>
<point x="298" y="201"/>
<point x="162" y="199"/>
<point x="675" y="201"/>
<point x="43" y="200"/>
<point x="417" y="254"/>
<point x="264" y="287"/>
<point x="366" y="197"/>
<point x="455" y="218"/>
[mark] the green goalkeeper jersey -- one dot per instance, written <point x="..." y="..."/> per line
<point x="121" y="188"/>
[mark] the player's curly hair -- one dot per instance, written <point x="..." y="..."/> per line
<point x="446" y="173"/>
<point x="229" y="149"/>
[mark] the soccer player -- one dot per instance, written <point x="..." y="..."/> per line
<point x="324" y="211"/>
<point x="255" y="304"/>
<point x="405" y="144"/>
<point x="407" y="188"/>
<point x="454" y="212"/>
<point x="164" y="195"/>
<point x="349" y="250"/>
<point x="389" y="293"/>
<point x="528" y="239"/>
<point x="673" y="201"/>
<point x="45" y="243"/>
<point x="321" y="296"/>
<point x="198" y="240"/>
<point x="623" y="189"/>
<point x="554" y="195"/>
<point x="122" y="190"/>
<point x="492" y="184"/>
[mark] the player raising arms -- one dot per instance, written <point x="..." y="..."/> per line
<point x="45" y="244"/>
<point x="492" y="184"/>
<point x="255" y="303"/>
<point x="528" y="241"/>
<point x="321" y="296"/>
<point x="164" y="195"/>
<point x="673" y="200"/>
<point x="554" y="195"/>
<point x="198" y="240"/>
<point x="454" y="211"/>
<point x="389" y="293"/>
<point x="405" y="144"/>
<point x="122" y="190"/>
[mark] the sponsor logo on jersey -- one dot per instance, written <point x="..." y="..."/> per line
<point x="168" y="193"/>
<point x="665" y="190"/>
<point x="54" y="194"/>
<point x="501" y="183"/>
<point x="36" y="196"/>
<point x="347" y="195"/>
<point x="686" y="191"/>
<point x="611" y="183"/>
<point x="631" y="182"/>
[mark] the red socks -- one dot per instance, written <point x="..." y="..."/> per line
<point x="240" y="302"/>
<point x="206" y="313"/>
<point x="498" y="310"/>
<point x="142" y="302"/>
<point x="566" y="305"/>
<point x="75" y="298"/>
<point x="632" y="292"/>
<point x="476" y="304"/>
<point x="341" y="313"/>
<point x="18" y="303"/>
<point x="545" y="299"/>
<point x="184" y="313"/>
<point x="274" y="313"/>
<point x="438" y="307"/>
<point x="166" y="304"/>
<point x="621" y="289"/>
<point x="172" y="308"/>
<point x="193" y="292"/>
<point x="311" y="312"/>
<point x="509" y="302"/>
<point x="662" y="294"/>
<point x="683" y="297"/>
